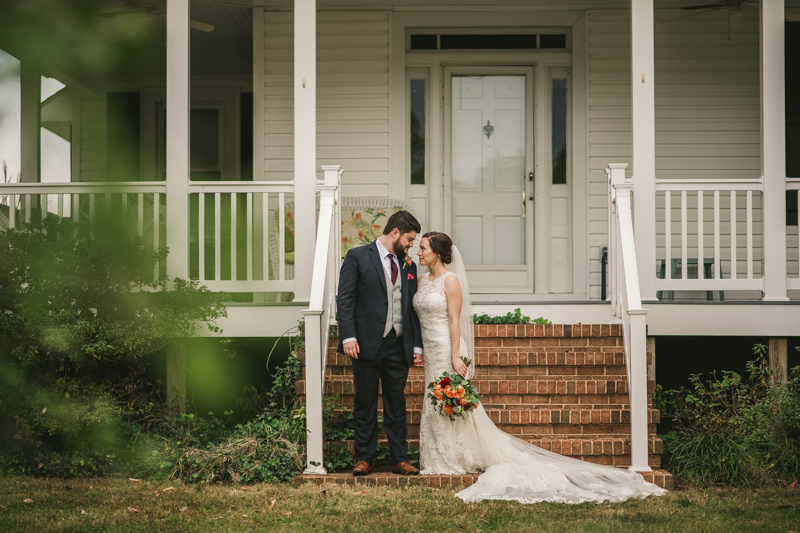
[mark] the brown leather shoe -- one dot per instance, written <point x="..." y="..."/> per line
<point x="362" y="468"/>
<point x="405" y="469"/>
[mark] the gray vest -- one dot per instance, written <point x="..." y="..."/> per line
<point x="394" y="313"/>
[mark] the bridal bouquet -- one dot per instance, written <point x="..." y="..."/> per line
<point x="454" y="395"/>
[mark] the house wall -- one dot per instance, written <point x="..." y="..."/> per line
<point x="707" y="123"/>
<point x="352" y="98"/>
<point x="92" y="144"/>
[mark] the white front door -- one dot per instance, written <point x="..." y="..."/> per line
<point x="491" y="156"/>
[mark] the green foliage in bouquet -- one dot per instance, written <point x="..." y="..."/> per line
<point x="453" y="395"/>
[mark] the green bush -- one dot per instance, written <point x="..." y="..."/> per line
<point x="734" y="431"/>
<point x="509" y="318"/>
<point x="81" y="311"/>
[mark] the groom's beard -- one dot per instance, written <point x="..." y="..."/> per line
<point x="398" y="249"/>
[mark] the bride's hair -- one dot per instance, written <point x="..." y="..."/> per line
<point x="441" y="244"/>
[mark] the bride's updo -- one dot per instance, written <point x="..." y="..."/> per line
<point x="441" y="245"/>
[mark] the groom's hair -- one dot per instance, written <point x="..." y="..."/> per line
<point x="403" y="221"/>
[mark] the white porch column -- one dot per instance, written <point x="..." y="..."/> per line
<point x="305" y="144"/>
<point x="773" y="149"/>
<point x="30" y="79"/>
<point x="178" y="105"/>
<point x="643" y="124"/>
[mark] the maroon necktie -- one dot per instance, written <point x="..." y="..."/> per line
<point x="394" y="268"/>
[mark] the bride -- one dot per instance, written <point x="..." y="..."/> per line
<point x="512" y="469"/>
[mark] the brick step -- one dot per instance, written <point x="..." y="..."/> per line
<point x="534" y="386"/>
<point x="523" y="362"/>
<point x="609" y="451"/>
<point x="662" y="478"/>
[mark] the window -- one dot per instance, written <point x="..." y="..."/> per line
<point x="559" y="131"/>
<point x="417" y="132"/>
<point x="500" y="41"/>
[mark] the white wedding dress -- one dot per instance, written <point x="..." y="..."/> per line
<point x="512" y="469"/>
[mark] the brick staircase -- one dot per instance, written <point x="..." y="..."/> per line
<point x="561" y="387"/>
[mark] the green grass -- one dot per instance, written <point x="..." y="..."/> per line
<point x="59" y="505"/>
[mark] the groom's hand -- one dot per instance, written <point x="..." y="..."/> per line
<point x="352" y="349"/>
<point x="418" y="359"/>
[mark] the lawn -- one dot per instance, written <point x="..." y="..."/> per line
<point x="122" y="505"/>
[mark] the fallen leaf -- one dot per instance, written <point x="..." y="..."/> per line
<point x="323" y="492"/>
<point x="271" y="505"/>
<point x="41" y="465"/>
<point x="134" y="511"/>
<point x="27" y="500"/>
<point x="155" y="493"/>
<point x="90" y="487"/>
<point x="362" y="493"/>
<point x="792" y="484"/>
<point x="83" y="512"/>
<point x="303" y="510"/>
<point x="288" y="514"/>
<point x="243" y="488"/>
<point x="4" y="507"/>
<point x="44" y="410"/>
<point x="184" y="509"/>
<point x="244" y="516"/>
<point x="135" y="481"/>
<point x="168" y="489"/>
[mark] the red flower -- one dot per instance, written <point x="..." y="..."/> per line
<point x="444" y="383"/>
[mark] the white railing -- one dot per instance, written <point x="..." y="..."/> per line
<point x="626" y="305"/>
<point x="321" y="312"/>
<point x="793" y="185"/>
<point x="726" y="255"/>
<point x="229" y="248"/>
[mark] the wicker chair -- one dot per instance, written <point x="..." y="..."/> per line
<point x="363" y="220"/>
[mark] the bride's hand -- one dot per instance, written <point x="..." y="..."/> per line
<point x="459" y="367"/>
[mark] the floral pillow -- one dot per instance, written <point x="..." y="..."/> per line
<point x="362" y="226"/>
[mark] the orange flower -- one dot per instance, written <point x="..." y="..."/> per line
<point x="361" y="234"/>
<point x="357" y="216"/>
<point x="461" y="392"/>
<point x="462" y="401"/>
<point x="451" y="392"/>
<point x="345" y="239"/>
<point x="376" y="226"/>
<point x="448" y="409"/>
<point x="437" y="393"/>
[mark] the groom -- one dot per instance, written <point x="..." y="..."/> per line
<point x="381" y="333"/>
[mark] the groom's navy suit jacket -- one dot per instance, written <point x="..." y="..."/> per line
<point x="362" y="302"/>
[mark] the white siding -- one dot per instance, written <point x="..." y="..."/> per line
<point x="707" y="119"/>
<point x="92" y="140"/>
<point x="352" y="98"/>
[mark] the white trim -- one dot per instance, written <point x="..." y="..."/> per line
<point x="580" y="157"/>
<point x="773" y="148"/>
<point x="643" y="144"/>
<point x="305" y="143"/>
<point x="178" y="116"/>
<point x="258" y="93"/>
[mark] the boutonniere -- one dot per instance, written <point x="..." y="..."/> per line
<point x="407" y="260"/>
<point x="410" y="276"/>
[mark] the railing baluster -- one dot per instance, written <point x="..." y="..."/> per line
<point x="108" y="204"/>
<point x="140" y="215"/>
<point x="201" y="232"/>
<point x="233" y="236"/>
<point x="733" y="235"/>
<point x="156" y="228"/>
<point x="76" y="208"/>
<point x="125" y="208"/>
<point x="668" y="247"/>
<point x="700" y="237"/>
<point x="12" y="211"/>
<point x="217" y="235"/>
<point x="717" y="263"/>
<point x="281" y="237"/>
<point x="249" y="236"/>
<point x="684" y="239"/>
<point x="749" y="234"/>
<point x="265" y="235"/>
<point x="60" y="205"/>
<point x="43" y="206"/>
<point x="27" y="208"/>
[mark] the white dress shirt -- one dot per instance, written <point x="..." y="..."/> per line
<point x="387" y="268"/>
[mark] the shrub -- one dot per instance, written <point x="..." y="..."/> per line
<point x="735" y="431"/>
<point x="81" y="311"/>
<point x="509" y="318"/>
